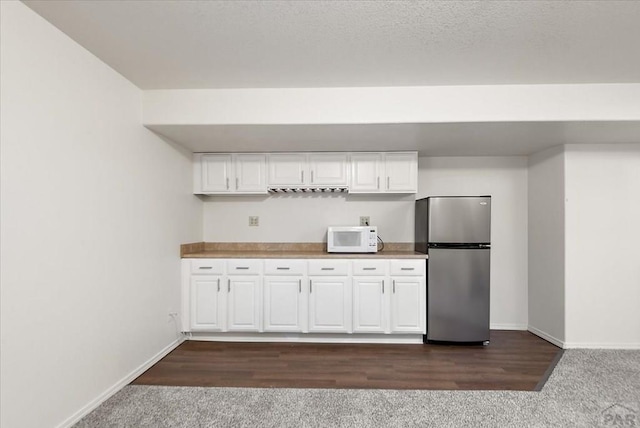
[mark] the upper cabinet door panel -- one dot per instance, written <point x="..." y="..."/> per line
<point x="366" y="172"/>
<point x="330" y="169"/>
<point x="216" y="173"/>
<point x="287" y="169"/>
<point x="401" y="172"/>
<point x="250" y="173"/>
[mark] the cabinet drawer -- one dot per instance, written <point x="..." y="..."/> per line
<point x="284" y="267"/>
<point x="370" y="267"/>
<point x="328" y="267"/>
<point x="207" y="266"/>
<point x="244" y="267"/>
<point x="408" y="267"/>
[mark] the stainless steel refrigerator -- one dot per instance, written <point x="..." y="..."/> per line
<point x="456" y="233"/>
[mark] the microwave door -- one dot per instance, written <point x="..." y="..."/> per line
<point x="347" y="239"/>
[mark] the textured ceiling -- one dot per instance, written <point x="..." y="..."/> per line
<point x="250" y="44"/>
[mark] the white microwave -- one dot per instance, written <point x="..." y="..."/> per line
<point x="352" y="239"/>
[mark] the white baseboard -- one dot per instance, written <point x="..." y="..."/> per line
<point x="308" y="338"/>
<point x="93" y="404"/>
<point x="499" y="326"/>
<point x="601" y="345"/>
<point x="547" y="337"/>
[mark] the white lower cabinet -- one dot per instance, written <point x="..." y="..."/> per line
<point x="284" y="304"/>
<point x="243" y="303"/>
<point x="304" y="296"/>
<point x="408" y="304"/>
<point x="329" y="304"/>
<point x="206" y="305"/>
<point x="370" y="306"/>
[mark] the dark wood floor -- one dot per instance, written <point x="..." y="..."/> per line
<point x="514" y="360"/>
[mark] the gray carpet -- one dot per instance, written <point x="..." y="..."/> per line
<point x="588" y="388"/>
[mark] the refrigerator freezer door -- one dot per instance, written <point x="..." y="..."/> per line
<point x="459" y="219"/>
<point x="458" y="295"/>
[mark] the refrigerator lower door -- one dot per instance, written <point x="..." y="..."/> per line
<point x="458" y="295"/>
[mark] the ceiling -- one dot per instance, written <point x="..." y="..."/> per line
<point x="273" y="44"/>
<point x="303" y="44"/>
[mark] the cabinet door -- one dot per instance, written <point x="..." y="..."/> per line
<point x="216" y="173"/>
<point x="408" y="305"/>
<point x="284" y="304"/>
<point x="205" y="303"/>
<point x="366" y="173"/>
<point x="328" y="169"/>
<point x="287" y="169"/>
<point x="329" y="304"/>
<point x="250" y="173"/>
<point x="243" y="303"/>
<point x="370" y="304"/>
<point x="401" y="171"/>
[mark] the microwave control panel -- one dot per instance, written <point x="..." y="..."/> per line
<point x="373" y="239"/>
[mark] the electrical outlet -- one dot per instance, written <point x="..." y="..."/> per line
<point x="254" y="220"/>
<point x="364" y="221"/>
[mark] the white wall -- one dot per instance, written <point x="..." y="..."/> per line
<point x="304" y="218"/>
<point x="94" y="208"/>
<point x="547" y="244"/>
<point x="602" y="255"/>
<point x="505" y="179"/>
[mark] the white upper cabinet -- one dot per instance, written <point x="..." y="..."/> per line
<point x="288" y="169"/>
<point x="367" y="170"/>
<point x="401" y="170"/>
<point x="229" y="173"/>
<point x="250" y="173"/>
<point x="258" y="173"/>
<point x="394" y="172"/>
<point x="313" y="170"/>
<point x="216" y="173"/>
<point x="328" y="169"/>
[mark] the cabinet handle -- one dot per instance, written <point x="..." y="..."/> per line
<point x="218" y="285"/>
<point x="236" y="183"/>
<point x="388" y="180"/>
<point x="310" y="286"/>
<point x="242" y="267"/>
<point x="327" y="268"/>
<point x="383" y="286"/>
<point x="394" y="285"/>
<point x="299" y="286"/>
<point x="407" y="268"/>
<point x="312" y="176"/>
<point x="229" y="285"/>
<point x="378" y="185"/>
<point x="302" y="176"/>
<point x="283" y="268"/>
<point x="205" y="267"/>
<point x="227" y="181"/>
<point x="368" y="268"/>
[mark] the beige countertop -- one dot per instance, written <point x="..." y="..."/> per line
<point x="251" y="250"/>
